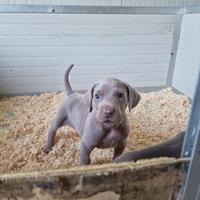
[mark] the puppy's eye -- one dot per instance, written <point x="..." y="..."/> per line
<point x="97" y="96"/>
<point x="120" y="95"/>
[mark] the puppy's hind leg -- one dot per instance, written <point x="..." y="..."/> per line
<point x="58" y="121"/>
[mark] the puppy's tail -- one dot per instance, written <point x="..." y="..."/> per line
<point x="66" y="80"/>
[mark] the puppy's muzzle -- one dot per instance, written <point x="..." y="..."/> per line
<point x="107" y="113"/>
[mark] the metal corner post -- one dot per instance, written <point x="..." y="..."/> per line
<point x="191" y="148"/>
<point x="175" y="43"/>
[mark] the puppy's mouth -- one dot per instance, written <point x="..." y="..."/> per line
<point x="107" y="121"/>
<point x="110" y="121"/>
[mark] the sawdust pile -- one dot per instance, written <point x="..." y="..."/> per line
<point x="24" y="122"/>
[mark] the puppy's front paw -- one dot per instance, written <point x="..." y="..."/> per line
<point x="47" y="149"/>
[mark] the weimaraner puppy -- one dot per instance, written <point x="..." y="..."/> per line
<point x="98" y="116"/>
<point x="169" y="148"/>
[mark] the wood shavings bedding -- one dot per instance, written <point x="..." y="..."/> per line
<point x="24" y="122"/>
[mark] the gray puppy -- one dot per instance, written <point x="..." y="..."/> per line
<point x="98" y="116"/>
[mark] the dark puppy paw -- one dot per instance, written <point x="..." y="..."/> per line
<point x="47" y="149"/>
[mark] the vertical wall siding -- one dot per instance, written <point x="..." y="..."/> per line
<point x="153" y="3"/>
<point x="35" y="50"/>
<point x="188" y="55"/>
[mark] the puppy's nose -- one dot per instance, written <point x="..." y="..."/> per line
<point x="108" y="111"/>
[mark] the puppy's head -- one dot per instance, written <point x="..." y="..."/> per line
<point x="109" y="98"/>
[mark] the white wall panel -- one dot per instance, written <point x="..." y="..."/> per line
<point x="188" y="56"/>
<point x="35" y="50"/>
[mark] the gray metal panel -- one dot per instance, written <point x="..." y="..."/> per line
<point x="191" y="9"/>
<point x="86" y="9"/>
<point x="193" y="125"/>
<point x="191" y="148"/>
<point x="188" y="59"/>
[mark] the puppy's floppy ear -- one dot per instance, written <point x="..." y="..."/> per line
<point x="89" y="96"/>
<point x="133" y="97"/>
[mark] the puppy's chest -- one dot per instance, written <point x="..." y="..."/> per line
<point x="110" y="139"/>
